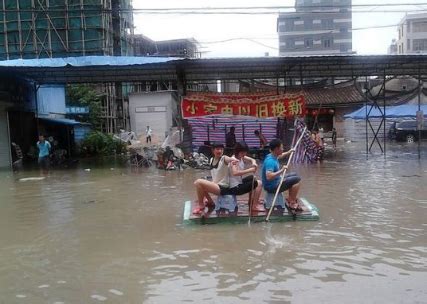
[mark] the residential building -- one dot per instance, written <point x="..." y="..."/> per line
<point x="412" y="34"/>
<point x="317" y="27"/>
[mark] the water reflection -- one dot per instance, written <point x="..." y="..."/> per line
<point x="116" y="236"/>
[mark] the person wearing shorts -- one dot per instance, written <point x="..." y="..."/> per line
<point x="271" y="174"/>
<point x="239" y="182"/>
<point x="220" y="178"/>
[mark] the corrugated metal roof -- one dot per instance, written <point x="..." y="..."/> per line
<point x="85" y="61"/>
<point x="104" y="69"/>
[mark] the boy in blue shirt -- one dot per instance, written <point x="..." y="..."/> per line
<point x="44" y="150"/>
<point x="271" y="174"/>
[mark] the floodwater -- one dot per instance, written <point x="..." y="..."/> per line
<point x="112" y="235"/>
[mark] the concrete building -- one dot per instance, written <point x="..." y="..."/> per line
<point x="412" y="34"/>
<point x="183" y="48"/>
<point x="317" y="27"/>
<point x="154" y="109"/>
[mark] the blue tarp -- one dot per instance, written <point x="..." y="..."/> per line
<point x="390" y="112"/>
<point x="85" y="61"/>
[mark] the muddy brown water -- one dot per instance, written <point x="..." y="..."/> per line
<point x="114" y="235"/>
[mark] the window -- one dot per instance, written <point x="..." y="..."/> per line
<point x="289" y="25"/>
<point x="420" y="45"/>
<point x="408" y="28"/>
<point x="327" y="24"/>
<point x="290" y="43"/>
<point x="326" y="42"/>
<point x="343" y="48"/>
<point x="308" y="42"/>
<point x="420" y="26"/>
<point x="308" y="24"/>
<point x="408" y="45"/>
<point x="343" y="30"/>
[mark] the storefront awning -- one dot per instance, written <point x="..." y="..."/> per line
<point x="63" y="121"/>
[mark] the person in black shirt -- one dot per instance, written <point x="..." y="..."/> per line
<point x="230" y="138"/>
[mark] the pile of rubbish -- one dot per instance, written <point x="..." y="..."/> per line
<point x="198" y="161"/>
<point x="167" y="156"/>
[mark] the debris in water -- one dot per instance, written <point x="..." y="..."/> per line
<point x="44" y="286"/>
<point x="116" y="292"/>
<point x="32" y="179"/>
<point x="98" y="297"/>
<point x="87" y="170"/>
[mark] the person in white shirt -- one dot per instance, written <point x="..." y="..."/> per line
<point x="242" y="177"/>
<point x="220" y="179"/>
<point x="148" y="133"/>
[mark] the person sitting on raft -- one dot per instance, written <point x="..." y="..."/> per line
<point x="220" y="176"/>
<point x="239" y="184"/>
<point x="227" y="180"/>
<point x="271" y="175"/>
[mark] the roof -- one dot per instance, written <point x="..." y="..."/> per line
<point x="63" y="121"/>
<point x="319" y="94"/>
<point x="105" y="69"/>
<point x="84" y="61"/>
<point x="333" y="95"/>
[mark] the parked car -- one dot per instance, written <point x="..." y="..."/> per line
<point x="406" y="130"/>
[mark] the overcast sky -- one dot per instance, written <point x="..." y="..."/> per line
<point x="260" y="28"/>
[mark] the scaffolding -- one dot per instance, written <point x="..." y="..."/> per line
<point x="61" y="28"/>
<point x="65" y="28"/>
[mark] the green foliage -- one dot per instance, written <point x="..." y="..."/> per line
<point x="98" y="143"/>
<point x="82" y="95"/>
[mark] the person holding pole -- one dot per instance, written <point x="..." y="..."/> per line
<point x="271" y="176"/>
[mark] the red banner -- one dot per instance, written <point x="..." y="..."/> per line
<point x="257" y="105"/>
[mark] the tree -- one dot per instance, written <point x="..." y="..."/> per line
<point x="84" y="95"/>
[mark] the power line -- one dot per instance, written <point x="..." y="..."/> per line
<point x="276" y="13"/>
<point x="279" y="7"/>
<point x="253" y="39"/>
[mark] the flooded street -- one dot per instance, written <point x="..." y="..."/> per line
<point x="113" y="235"/>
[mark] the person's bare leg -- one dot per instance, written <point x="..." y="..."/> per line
<point x="200" y="194"/>
<point x="293" y="194"/>
<point x="203" y="188"/>
<point x="256" y="193"/>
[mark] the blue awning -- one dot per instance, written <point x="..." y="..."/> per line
<point x="63" y="121"/>
<point x="390" y="112"/>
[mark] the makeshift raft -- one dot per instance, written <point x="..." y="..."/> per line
<point x="311" y="213"/>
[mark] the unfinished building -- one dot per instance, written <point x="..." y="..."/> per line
<point x="64" y="28"/>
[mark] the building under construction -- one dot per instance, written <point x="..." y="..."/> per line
<point x="64" y="28"/>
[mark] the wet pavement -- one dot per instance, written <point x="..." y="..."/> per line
<point x="114" y="235"/>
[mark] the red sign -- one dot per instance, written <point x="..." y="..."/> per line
<point x="257" y="105"/>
